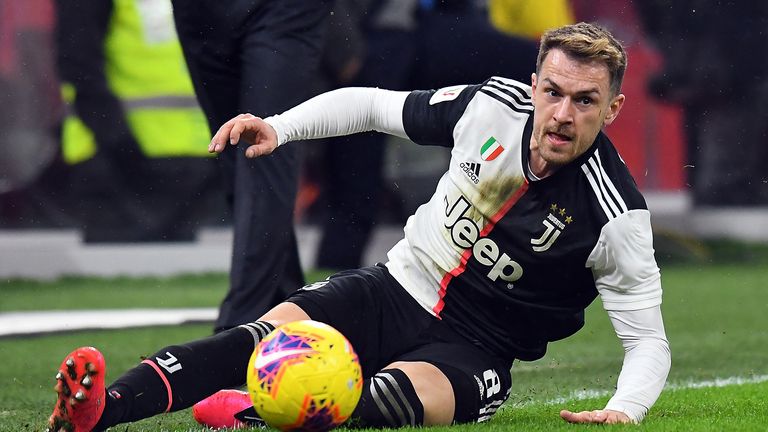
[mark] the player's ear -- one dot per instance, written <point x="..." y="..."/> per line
<point x="613" y="108"/>
<point x="533" y="86"/>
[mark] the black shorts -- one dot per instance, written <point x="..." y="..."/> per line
<point x="385" y="324"/>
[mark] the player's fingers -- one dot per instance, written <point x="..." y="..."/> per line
<point x="218" y="141"/>
<point x="597" y="416"/>
<point x="237" y="129"/>
<point x="566" y="415"/>
<point x="222" y="136"/>
<point x="247" y="122"/>
<point x="570" y="417"/>
<point x="241" y="125"/>
<point x="261" y="149"/>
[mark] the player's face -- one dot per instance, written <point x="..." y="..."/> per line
<point x="572" y="101"/>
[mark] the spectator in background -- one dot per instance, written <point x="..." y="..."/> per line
<point x="405" y="44"/>
<point x="133" y="135"/>
<point x="714" y="70"/>
<point x="259" y="57"/>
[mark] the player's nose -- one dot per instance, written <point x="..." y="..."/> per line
<point x="563" y="111"/>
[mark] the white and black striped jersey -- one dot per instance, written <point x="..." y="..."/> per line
<point x="509" y="260"/>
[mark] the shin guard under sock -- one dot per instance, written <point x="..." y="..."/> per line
<point x="178" y="376"/>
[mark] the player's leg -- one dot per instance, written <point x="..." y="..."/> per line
<point x="347" y="301"/>
<point x="437" y="384"/>
<point x="233" y="408"/>
<point x="402" y="394"/>
<point x="405" y="394"/>
<point x="433" y="389"/>
<point x="441" y="379"/>
<point x="174" y="378"/>
<point x="416" y="368"/>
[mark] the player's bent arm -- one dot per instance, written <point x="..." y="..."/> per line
<point x="629" y="282"/>
<point x="342" y="112"/>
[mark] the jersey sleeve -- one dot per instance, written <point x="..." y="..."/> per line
<point x="341" y="112"/>
<point x="647" y="360"/>
<point x="623" y="263"/>
<point x="429" y="116"/>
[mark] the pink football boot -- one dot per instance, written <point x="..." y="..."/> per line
<point x="226" y="409"/>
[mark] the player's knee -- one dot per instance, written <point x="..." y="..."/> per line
<point x="388" y="400"/>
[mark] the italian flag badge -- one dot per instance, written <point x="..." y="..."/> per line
<point x="491" y="149"/>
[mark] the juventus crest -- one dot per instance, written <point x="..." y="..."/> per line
<point x="555" y="222"/>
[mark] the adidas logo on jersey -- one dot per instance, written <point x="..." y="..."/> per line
<point x="472" y="170"/>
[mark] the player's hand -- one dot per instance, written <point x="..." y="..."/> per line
<point x="596" y="416"/>
<point x="260" y="137"/>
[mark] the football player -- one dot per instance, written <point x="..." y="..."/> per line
<point x="536" y="216"/>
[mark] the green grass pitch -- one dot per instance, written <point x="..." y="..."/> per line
<point x="716" y="317"/>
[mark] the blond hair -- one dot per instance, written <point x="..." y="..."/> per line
<point x="584" y="41"/>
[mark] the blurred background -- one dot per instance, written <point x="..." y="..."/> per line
<point x="102" y="175"/>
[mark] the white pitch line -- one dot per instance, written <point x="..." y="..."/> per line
<point x="37" y="322"/>
<point x="685" y="385"/>
<point x="717" y="382"/>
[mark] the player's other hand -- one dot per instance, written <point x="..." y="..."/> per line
<point x="260" y="137"/>
<point x="596" y="416"/>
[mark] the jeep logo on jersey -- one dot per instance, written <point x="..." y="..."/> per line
<point x="466" y="234"/>
<point x="554" y="226"/>
<point x="491" y="149"/>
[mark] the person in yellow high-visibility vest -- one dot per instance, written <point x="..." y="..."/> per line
<point x="130" y="107"/>
<point x="529" y="18"/>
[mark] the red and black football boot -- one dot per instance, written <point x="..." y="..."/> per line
<point x="80" y="389"/>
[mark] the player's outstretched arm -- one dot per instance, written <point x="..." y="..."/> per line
<point x="260" y="137"/>
<point x="338" y="112"/>
<point x="596" y="416"/>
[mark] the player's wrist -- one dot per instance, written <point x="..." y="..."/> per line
<point x="633" y="411"/>
<point x="276" y="124"/>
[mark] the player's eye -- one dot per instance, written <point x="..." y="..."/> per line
<point x="585" y="100"/>
<point x="552" y="93"/>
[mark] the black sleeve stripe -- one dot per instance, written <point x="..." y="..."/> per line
<point x="506" y="102"/>
<point x="521" y="91"/>
<point x="433" y="124"/>
<point x="515" y="97"/>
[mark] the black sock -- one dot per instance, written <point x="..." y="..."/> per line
<point x="178" y="376"/>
